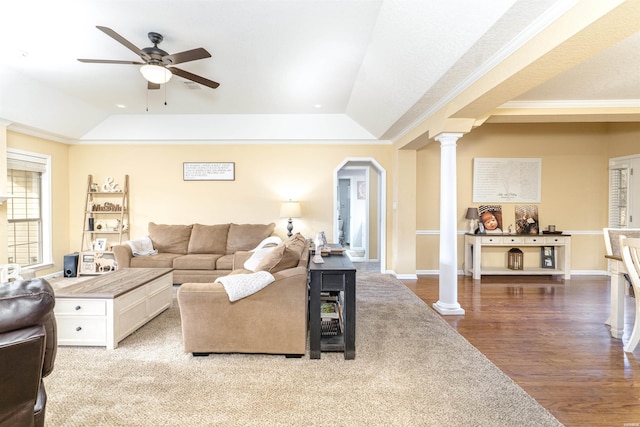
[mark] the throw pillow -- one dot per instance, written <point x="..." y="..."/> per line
<point x="244" y="237"/>
<point x="285" y="255"/>
<point x="257" y="257"/>
<point x="208" y="239"/>
<point x="172" y="239"/>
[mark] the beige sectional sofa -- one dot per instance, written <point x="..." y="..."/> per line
<point x="197" y="253"/>
<point x="272" y="320"/>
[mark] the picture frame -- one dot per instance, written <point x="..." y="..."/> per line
<point x="490" y="220"/>
<point x="527" y="221"/>
<point x="507" y="180"/>
<point x="548" y="257"/>
<point x="362" y="190"/>
<point x="209" y="171"/>
<point x="100" y="244"/>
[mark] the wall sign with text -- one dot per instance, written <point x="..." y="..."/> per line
<point x="209" y="171"/>
<point x="507" y="180"/>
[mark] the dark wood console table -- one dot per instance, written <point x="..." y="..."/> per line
<point x="336" y="274"/>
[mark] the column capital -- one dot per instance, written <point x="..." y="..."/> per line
<point x="448" y="138"/>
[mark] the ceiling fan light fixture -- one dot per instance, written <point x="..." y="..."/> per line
<point x="155" y="73"/>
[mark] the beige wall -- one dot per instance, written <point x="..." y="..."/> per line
<point x="574" y="185"/>
<point x="574" y="181"/>
<point x="265" y="175"/>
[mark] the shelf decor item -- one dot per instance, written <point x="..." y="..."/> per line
<point x="100" y="244"/>
<point x="515" y="259"/>
<point x="96" y="262"/>
<point x="548" y="259"/>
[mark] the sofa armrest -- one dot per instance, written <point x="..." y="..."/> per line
<point x="123" y="254"/>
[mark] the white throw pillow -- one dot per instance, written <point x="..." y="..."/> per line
<point x="269" y="241"/>
<point x="257" y="257"/>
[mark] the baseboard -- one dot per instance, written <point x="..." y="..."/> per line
<point x="573" y="272"/>
<point x="406" y="276"/>
<point x="589" y="273"/>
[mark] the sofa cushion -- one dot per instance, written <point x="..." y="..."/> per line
<point x="196" y="262"/>
<point x="162" y="260"/>
<point x="285" y="255"/>
<point x="225" y="262"/>
<point x="208" y="239"/>
<point x="244" y="237"/>
<point x="172" y="239"/>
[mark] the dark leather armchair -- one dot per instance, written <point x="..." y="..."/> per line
<point x="28" y="344"/>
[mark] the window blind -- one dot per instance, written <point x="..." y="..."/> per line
<point x="26" y="162"/>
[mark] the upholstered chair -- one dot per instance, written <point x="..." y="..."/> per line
<point x="28" y="344"/>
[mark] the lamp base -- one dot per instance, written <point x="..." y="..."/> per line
<point x="289" y="228"/>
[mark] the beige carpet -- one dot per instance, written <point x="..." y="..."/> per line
<point x="411" y="369"/>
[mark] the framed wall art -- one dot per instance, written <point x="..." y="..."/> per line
<point x="507" y="180"/>
<point x="209" y="171"/>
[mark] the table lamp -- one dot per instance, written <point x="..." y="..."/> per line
<point x="290" y="210"/>
<point x="472" y="216"/>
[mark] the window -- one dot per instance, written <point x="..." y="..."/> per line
<point x="618" y="197"/>
<point x="29" y="241"/>
<point x="624" y="203"/>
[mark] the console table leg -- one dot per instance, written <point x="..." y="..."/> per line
<point x="314" y="317"/>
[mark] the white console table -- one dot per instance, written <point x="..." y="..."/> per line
<point x="473" y="244"/>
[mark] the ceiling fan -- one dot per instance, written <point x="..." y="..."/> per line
<point x="158" y="65"/>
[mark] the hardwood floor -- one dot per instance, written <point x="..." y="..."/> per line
<point x="549" y="336"/>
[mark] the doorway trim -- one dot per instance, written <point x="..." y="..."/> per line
<point x="382" y="202"/>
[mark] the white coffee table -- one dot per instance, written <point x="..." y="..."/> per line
<point x="104" y="310"/>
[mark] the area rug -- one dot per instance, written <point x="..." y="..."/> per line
<point x="411" y="369"/>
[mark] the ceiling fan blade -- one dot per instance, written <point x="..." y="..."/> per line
<point x="153" y="86"/>
<point x="109" y="61"/>
<point x="190" y="76"/>
<point x="186" y="56"/>
<point x="126" y="43"/>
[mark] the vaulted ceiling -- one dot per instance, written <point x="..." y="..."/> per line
<point x="346" y="70"/>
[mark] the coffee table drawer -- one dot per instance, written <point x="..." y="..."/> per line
<point x="81" y="330"/>
<point x="161" y="284"/>
<point x="80" y="307"/>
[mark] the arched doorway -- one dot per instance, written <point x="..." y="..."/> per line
<point x="359" y="209"/>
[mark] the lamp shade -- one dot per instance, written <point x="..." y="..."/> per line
<point x="472" y="213"/>
<point x="290" y="210"/>
<point x="155" y="73"/>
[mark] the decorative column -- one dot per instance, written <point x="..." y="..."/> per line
<point x="448" y="298"/>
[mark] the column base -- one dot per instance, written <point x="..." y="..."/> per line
<point x="448" y="309"/>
